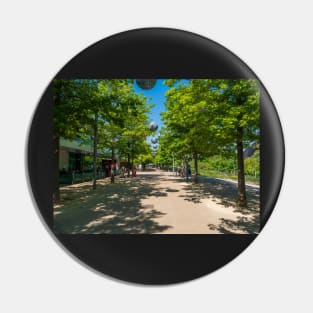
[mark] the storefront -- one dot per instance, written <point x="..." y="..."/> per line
<point x="76" y="157"/>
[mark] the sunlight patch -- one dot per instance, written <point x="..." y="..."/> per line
<point x="99" y="221"/>
<point x="99" y="208"/>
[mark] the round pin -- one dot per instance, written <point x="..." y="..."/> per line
<point x="155" y="156"/>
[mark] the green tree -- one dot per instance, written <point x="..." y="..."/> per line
<point x="135" y="129"/>
<point x="95" y="112"/>
<point x="252" y="164"/>
<point x="208" y="117"/>
<point x="69" y="97"/>
<point x="239" y="119"/>
<point x="186" y="122"/>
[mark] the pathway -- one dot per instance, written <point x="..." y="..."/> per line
<point x="156" y="202"/>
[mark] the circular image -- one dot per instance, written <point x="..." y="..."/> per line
<point x="148" y="208"/>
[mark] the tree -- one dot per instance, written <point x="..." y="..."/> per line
<point x="97" y="113"/>
<point x="207" y="117"/>
<point x="252" y="164"/>
<point x="240" y="116"/>
<point x="126" y="118"/>
<point x="186" y="121"/>
<point x="68" y="113"/>
<point x="135" y="130"/>
<point x="88" y="111"/>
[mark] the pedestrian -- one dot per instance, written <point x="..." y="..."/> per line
<point x="134" y="172"/>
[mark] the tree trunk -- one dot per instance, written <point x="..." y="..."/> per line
<point x="242" y="199"/>
<point x="196" y="168"/>
<point x="112" y="166"/>
<point x="56" y="171"/>
<point x="95" y="139"/>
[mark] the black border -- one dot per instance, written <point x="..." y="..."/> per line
<point x="155" y="53"/>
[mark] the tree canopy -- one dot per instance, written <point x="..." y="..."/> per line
<point x="107" y="114"/>
<point x="206" y="117"/>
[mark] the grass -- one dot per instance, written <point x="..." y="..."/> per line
<point x="216" y="174"/>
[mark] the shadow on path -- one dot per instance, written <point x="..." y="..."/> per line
<point x="111" y="209"/>
<point x="224" y="193"/>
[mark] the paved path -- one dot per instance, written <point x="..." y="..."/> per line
<point x="156" y="202"/>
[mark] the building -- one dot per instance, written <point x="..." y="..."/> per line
<point x="78" y="157"/>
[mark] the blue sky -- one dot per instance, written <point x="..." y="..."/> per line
<point x="157" y="95"/>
